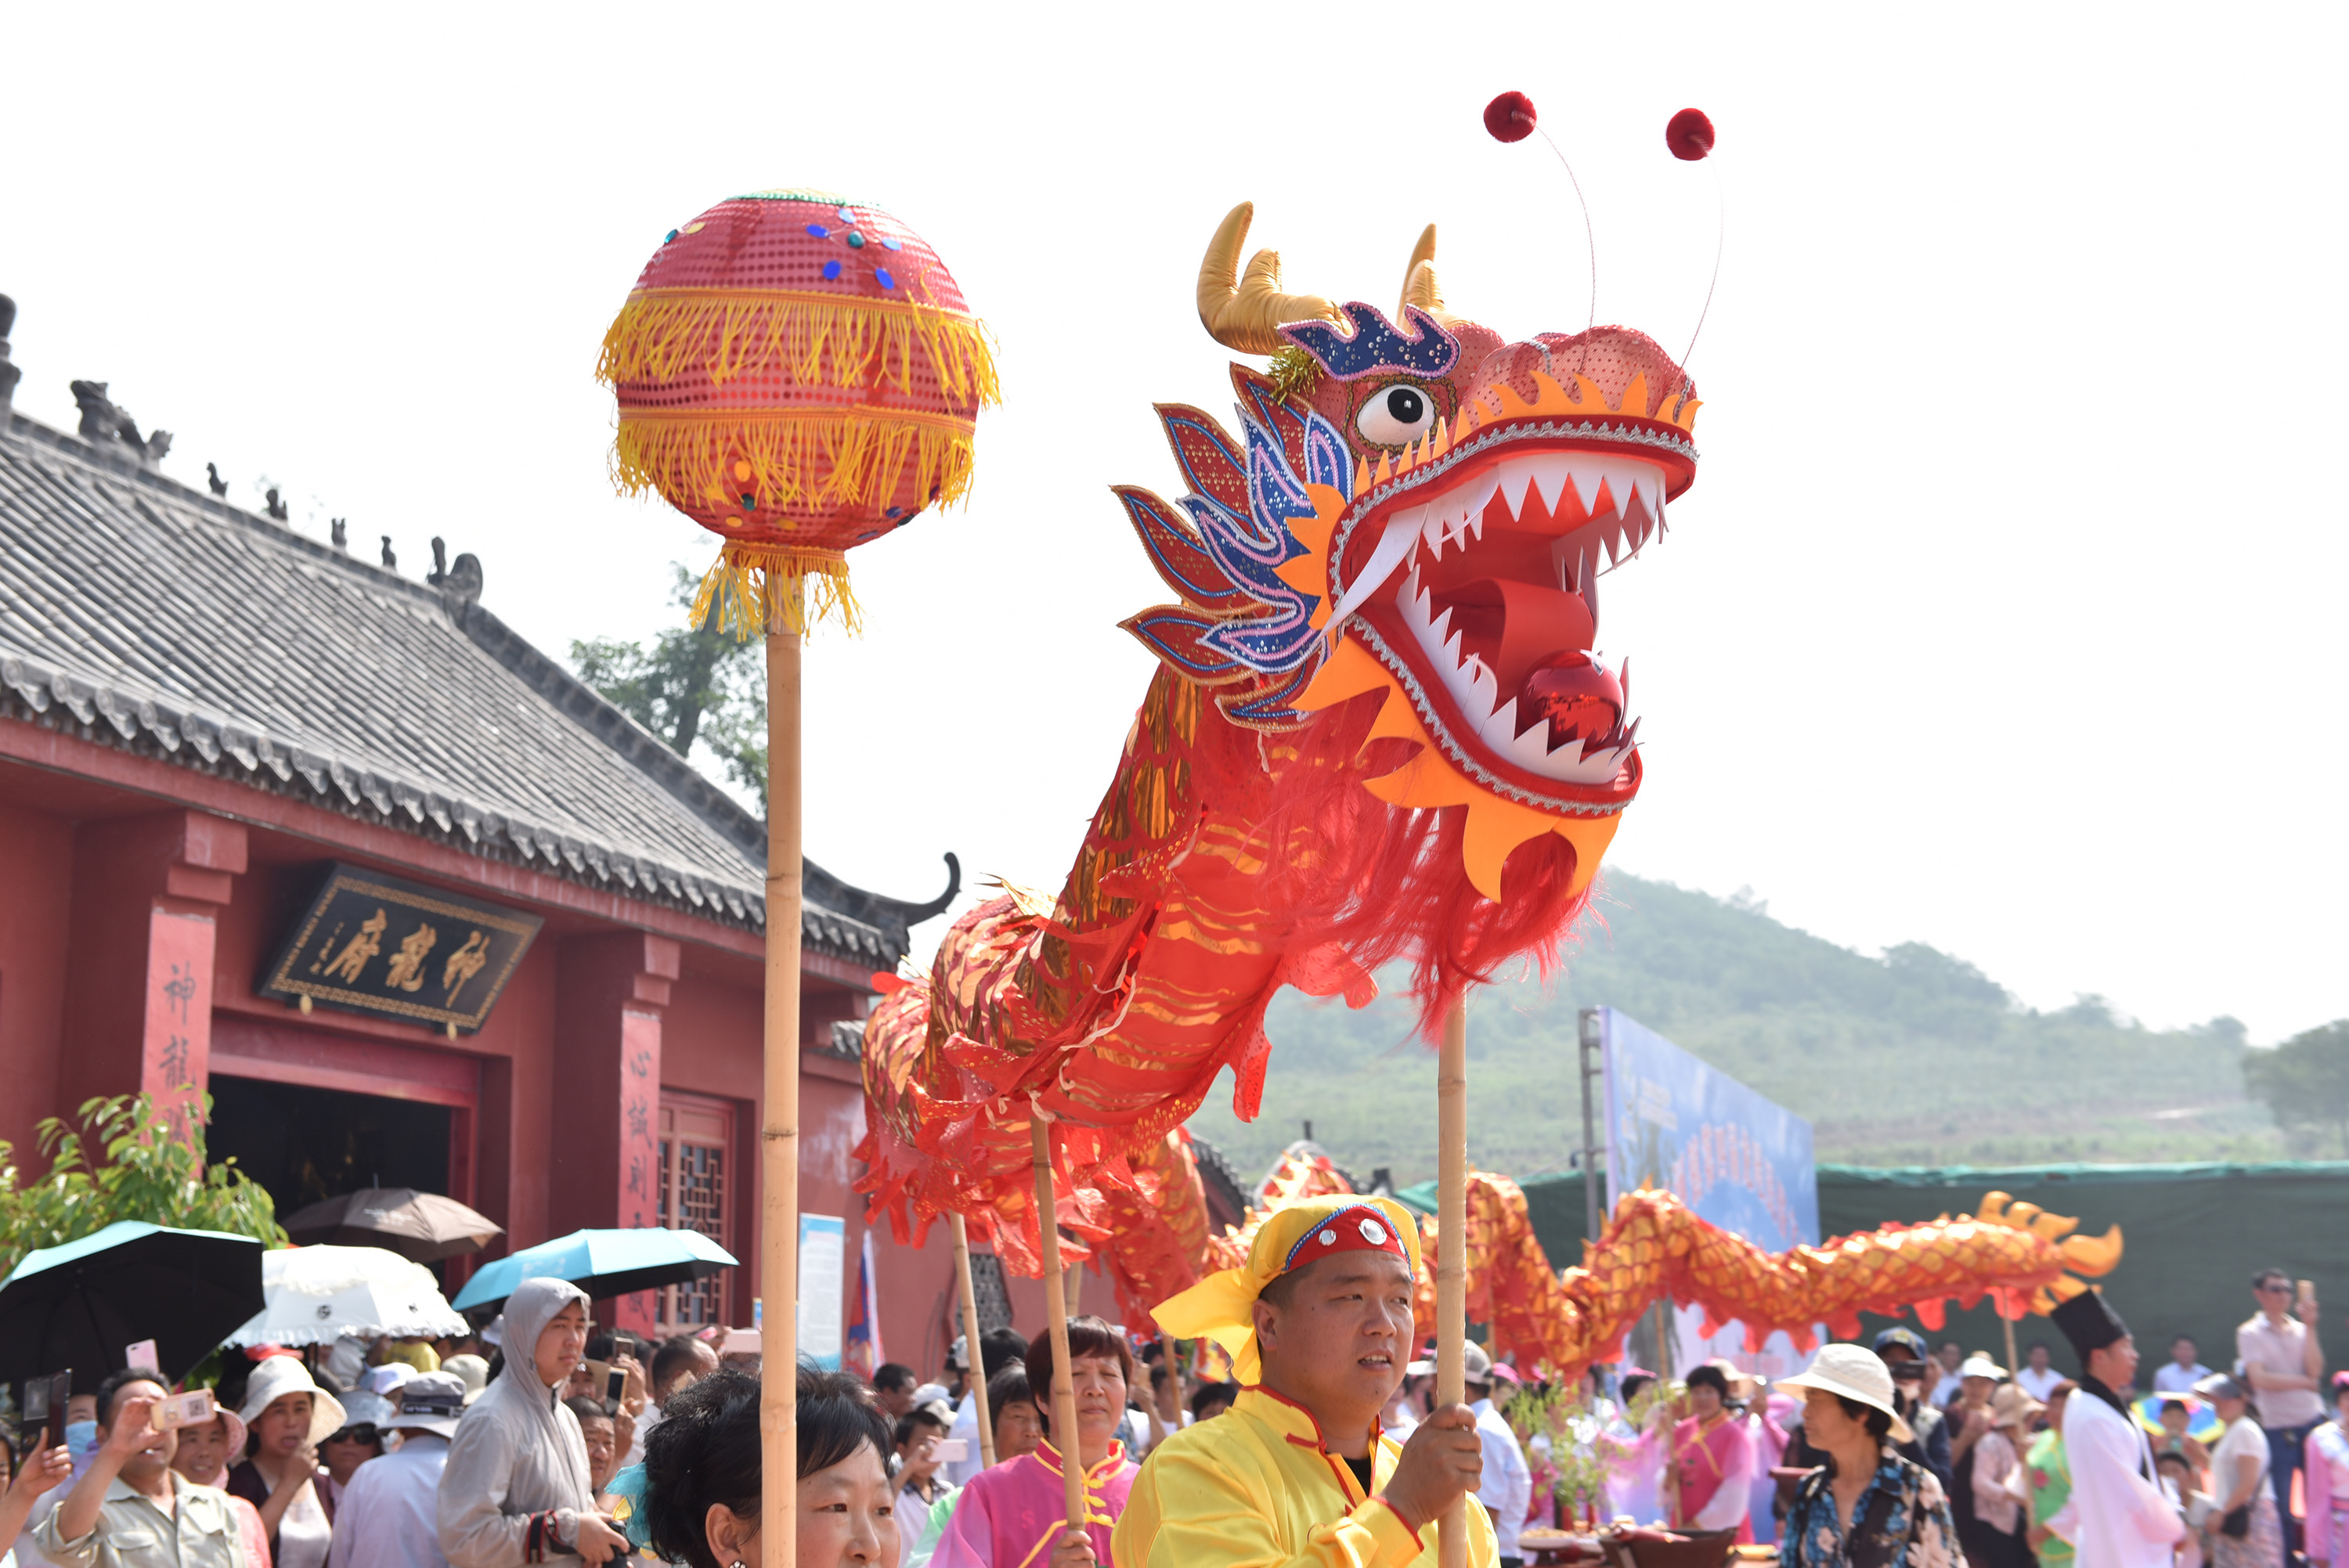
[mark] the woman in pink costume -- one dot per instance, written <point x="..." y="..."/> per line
<point x="2328" y="1483"/>
<point x="1712" y="1456"/>
<point x="1016" y="1515"/>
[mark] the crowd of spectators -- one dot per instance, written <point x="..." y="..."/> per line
<point x="566" y="1441"/>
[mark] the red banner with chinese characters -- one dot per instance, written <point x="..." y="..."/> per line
<point x="175" y="1054"/>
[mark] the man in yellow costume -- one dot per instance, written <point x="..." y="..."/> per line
<point x="1319" y="1325"/>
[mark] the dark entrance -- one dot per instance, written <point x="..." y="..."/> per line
<point x="307" y="1144"/>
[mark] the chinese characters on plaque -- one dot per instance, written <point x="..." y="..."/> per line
<point x="375" y="943"/>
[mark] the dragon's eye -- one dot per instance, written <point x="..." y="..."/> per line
<point x="1396" y="415"/>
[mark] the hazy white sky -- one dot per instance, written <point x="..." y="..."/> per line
<point x="2003" y="615"/>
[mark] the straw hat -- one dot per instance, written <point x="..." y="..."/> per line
<point x="1857" y="1373"/>
<point x="2012" y="1405"/>
<point x="280" y="1375"/>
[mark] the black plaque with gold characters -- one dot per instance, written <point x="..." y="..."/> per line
<point x="375" y="943"/>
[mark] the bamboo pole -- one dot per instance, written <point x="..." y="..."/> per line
<point x="779" y="1139"/>
<point x="1076" y="1290"/>
<point x="1064" y="1388"/>
<point x="2013" y="1366"/>
<point x="1452" y="1250"/>
<point x="975" y="1370"/>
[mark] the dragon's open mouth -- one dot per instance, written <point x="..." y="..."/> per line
<point x="1484" y="580"/>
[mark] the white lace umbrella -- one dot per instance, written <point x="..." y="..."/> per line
<point x="317" y="1294"/>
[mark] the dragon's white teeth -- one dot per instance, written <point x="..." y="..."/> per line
<point x="1514" y="477"/>
<point x="1486" y="687"/>
<point x="1552" y="472"/>
<point x="1601" y="485"/>
<point x="1442" y="630"/>
<point x="1394" y="545"/>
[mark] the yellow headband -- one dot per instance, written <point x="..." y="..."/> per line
<point x="1219" y="1307"/>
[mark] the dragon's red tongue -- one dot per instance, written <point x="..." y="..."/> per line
<point x="1582" y="701"/>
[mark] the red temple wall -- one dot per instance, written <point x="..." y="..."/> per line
<point x="539" y="1140"/>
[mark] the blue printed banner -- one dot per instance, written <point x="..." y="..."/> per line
<point x="823" y="1260"/>
<point x="1735" y="1158"/>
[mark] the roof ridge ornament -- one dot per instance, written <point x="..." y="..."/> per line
<point x="104" y="423"/>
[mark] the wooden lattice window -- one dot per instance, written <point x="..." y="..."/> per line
<point x="697" y="1144"/>
<point x="986" y="1289"/>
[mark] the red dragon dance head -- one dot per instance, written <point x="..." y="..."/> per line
<point x="1420" y="509"/>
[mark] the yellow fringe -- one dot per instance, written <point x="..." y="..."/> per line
<point x="811" y="457"/>
<point x="761" y="588"/>
<point x="732" y="333"/>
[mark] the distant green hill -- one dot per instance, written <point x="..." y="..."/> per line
<point x="1914" y="1057"/>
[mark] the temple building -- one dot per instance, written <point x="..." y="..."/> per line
<point x="414" y="905"/>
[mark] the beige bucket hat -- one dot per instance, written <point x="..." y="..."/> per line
<point x="282" y="1375"/>
<point x="1857" y="1373"/>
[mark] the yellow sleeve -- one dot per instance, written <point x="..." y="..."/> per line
<point x="1191" y="1506"/>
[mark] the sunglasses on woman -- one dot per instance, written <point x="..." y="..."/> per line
<point x="363" y="1432"/>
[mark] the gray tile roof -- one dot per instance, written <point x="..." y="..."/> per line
<point x="138" y="613"/>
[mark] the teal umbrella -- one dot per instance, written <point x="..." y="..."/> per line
<point x="83" y="1304"/>
<point x="601" y="1263"/>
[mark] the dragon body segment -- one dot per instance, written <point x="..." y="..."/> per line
<point x="1654" y="1248"/>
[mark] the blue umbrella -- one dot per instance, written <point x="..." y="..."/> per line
<point x="2202" y="1422"/>
<point x="80" y="1305"/>
<point x="601" y="1263"/>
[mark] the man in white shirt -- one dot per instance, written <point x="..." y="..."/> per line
<point x="388" y="1516"/>
<point x="1508" y="1488"/>
<point x="2284" y="1365"/>
<point x="998" y="1348"/>
<point x="2038" y="1378"/>
<point x="1950" y="1356"/>
<point x="2183" y="1369"/>
<point x="2119" y="1514"/>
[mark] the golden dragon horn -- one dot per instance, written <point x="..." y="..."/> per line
<point x="1247" y="312"/>
<point x="1419" y="284"/>
<point x="2092" y="1255"/>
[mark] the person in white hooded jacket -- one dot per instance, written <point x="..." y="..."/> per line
<point x="515" y="1488"/>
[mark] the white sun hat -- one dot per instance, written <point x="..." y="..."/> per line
<point x="280" y="1375"/>
<point x="1980" y="1366"/>
<point x="1857" y="1373"/>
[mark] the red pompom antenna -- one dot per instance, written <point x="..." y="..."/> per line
<point x="1510" y="118"/>
<point x="1689" y="134"/>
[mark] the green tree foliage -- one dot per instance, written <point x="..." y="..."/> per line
<point x="692" y="686"/>
<point x="2305" y="1082"/>
<point x="152" y="1173"/>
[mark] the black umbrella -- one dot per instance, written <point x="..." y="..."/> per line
<point x="419" y="1226"/>
<point x="84" y="1303"/>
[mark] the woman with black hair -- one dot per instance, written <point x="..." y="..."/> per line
<point x="1016" y="1515"/>
<point x="1866" y="1507"/>
<point x="702" y="1475"/>
<point x="1712" y="1459"/>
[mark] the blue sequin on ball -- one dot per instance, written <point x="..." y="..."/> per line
<point x="672" y="235"/>
<point x="830" y="271"/>
<point x="819" y="232"/>
<point x="845" y="215"/>
<point x="855" y="241"/>
<point x="886" y="281"/>
<point x="893" y="244"/>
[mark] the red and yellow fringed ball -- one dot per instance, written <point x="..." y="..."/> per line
<point x="799" y="374"/>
